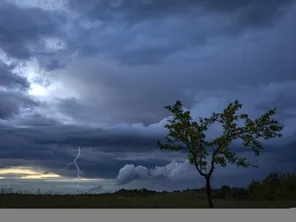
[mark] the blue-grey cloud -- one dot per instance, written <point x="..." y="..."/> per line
<point x="255" y="12"/>
<point x="151" y="30"/>
<point x="11" y="80"/>
<point x="22" y="28"/>
<point x="12" y="102"/>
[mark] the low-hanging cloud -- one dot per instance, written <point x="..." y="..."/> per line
<point x="130" y="172"/>
<point x="181" y="171"/>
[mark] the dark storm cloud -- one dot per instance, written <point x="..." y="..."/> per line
<point x="163" y="28"/>
<point x="22" y="28"/>
<point x="35" y="120"/>
<point x="283" y="99"/>
<point x="12" y="102"/>
<point x="260" y="13"/>
<point x="32" y="152"/>
<point x="126" y="95"/>
<point x="53" y="147"/>
<point x="11" y="80"/>
<point x="100" y="139"/>
<point x="140" y="94"/>
<point x="152" y="54"/>
<point x="75" y="109"/>
<point x="53" y="65"/>
<point x="54" y="158"/>
<point x="145" y="32"/>
<point x="13" y="94"/>
<point x="254" y="12"/>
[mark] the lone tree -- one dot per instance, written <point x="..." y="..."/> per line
<point x="184" y="133"/>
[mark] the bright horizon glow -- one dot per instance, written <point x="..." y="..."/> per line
<point x="41" y="176"/>
<point x="18" y="170"/>
<point x="29" y="173"/>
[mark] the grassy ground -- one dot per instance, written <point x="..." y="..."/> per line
<point x="170" y="200"/>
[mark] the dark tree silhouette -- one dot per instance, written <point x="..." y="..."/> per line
<point x="186" y="133"/>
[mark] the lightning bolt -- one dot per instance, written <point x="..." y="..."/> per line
<point x="76" y="165"/>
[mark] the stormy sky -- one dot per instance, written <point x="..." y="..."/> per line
<point x="97" y="74"/>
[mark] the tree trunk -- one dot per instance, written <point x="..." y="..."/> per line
<point x="209" y="192"/>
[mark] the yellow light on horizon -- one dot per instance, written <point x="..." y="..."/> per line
<point x="84" y="179"/>
<point x="17" y="171"/>
<point x="29" y="173"/>
<point x="40" y="176"/>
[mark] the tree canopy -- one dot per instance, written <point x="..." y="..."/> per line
<point x="184" y="132"/>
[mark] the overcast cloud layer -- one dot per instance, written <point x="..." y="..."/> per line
<point x="97" y="74"/>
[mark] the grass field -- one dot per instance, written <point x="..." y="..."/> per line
<point x="167" y="200"/>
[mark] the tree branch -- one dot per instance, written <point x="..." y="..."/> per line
<point x="199" y="170"/>
<point x="213" y="158"/>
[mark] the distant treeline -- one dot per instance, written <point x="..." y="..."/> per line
<point x="274" y="187"/>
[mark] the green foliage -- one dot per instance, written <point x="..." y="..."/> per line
<point x="226" y="191"/>
<point x="274" y="187"/>
<point x="183" y="132"/>
<point x="255" y="189"/>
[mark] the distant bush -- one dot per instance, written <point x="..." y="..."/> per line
<point x="274" y="187"/>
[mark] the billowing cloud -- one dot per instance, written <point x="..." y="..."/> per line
<point x="130" y="172"/>
<point x="178" y="172"/>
